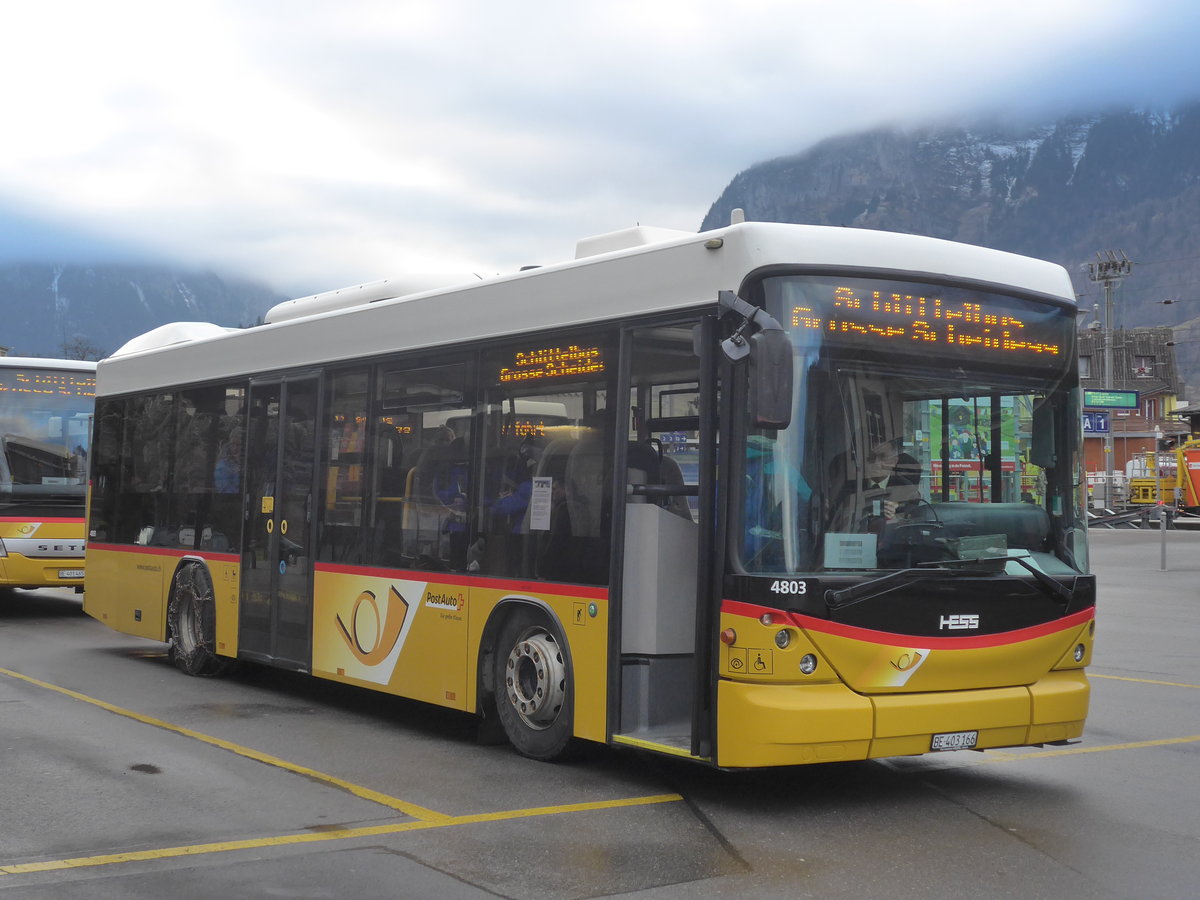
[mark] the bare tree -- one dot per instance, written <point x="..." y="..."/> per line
<point x="80" y="347"/>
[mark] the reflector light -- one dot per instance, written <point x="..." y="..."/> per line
<point x="728" y="636"/>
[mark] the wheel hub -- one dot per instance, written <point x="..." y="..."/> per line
<point x="535" y="679"/>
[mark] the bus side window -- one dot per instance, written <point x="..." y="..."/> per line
<point x="347" y="460"/>
<point x="108" y="464"/>
<point x="546" y="505"/>
<point x="421" y="469"/>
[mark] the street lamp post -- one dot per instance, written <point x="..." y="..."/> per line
<point x="1108" y="270"/>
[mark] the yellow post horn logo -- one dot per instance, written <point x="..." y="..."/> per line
<point x="372" y="641"/>
<point x="907" y="661"/>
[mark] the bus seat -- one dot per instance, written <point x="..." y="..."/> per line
<point x="672" y="476"/>
<point x="642" y="467"/>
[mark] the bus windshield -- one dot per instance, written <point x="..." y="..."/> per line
<point x="44" y="419"/>
<point x="932" y="425"/>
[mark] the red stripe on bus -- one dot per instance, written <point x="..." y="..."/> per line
<point x="872" y="636"/>
<point x="471" y="581"/>
<point x="165" y="551"/>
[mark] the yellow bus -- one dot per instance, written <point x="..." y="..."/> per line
<point x="622" y="498"/>
<point x="45" y="429"/>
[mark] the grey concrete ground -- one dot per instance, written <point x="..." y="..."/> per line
<point x="268" y="784"/>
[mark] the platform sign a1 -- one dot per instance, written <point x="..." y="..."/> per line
<point x="1096" y="423"/>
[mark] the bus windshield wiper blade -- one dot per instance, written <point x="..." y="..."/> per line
<point x="868" y="589"/>
<point x="1052" y="586"/>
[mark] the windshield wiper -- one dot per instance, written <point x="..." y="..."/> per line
<point x="1052" y="587"/>
<point x="867" y="590"/>
<point x="952" y="568"/>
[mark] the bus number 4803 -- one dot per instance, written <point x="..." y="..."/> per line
<point x="789" y="587"/>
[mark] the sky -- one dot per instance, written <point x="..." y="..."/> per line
<point x="314" y="145"/>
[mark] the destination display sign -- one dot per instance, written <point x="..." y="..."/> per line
<point x="1110" y="399"/>
<point x="924" y="319"/>
<point x="547" y="363"/>
<point x="44" y="381"/>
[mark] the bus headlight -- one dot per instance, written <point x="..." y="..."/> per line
<point x="808" y="664"/>
<point x="1080" y="652"/>
<point x="782" y="639"/>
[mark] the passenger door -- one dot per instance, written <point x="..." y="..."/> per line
<point x="276" y="580"/>
<point x="663" y="607"/>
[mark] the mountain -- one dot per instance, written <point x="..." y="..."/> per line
<point x="90" y="311"/>
<point x="1065" y="190"/>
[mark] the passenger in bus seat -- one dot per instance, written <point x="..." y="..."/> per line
<point x="516" y="487"/>
<point x="771" y="483"/>
<point x="227" y="473"/>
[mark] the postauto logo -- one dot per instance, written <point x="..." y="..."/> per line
<point x="370" y="636"/>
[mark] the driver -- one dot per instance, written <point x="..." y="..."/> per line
<point x="890" y="478"/>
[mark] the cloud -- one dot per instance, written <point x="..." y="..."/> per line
<point x="316" y="145"/>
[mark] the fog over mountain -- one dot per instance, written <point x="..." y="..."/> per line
<point x="90" y="311"/>
<point x="1063" y="190"/>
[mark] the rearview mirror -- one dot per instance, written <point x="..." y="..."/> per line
<point x="1041" y="449"/>
<point x="771" y="379"/>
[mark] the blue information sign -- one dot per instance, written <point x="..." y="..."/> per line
<point x="1096" y="423"/>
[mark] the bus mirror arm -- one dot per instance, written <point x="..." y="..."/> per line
<point x="737" y="346"/>
<point x="770" y="352"/>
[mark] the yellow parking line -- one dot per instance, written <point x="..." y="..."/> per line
<point x="1002" y="756"/>
<point x="1143" y="680"/>
<point x="409" y="809"/>
<point x="566" y="808"/>
<point x="313" y="837"/>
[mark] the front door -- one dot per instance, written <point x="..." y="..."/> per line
<point x="663" y="665"/>
<point x="276" y="598"/>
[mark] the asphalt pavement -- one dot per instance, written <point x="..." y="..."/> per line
<point x="124" y="778"/>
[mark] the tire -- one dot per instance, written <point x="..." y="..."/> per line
<point x="191" y="619"/>
<point x="534" y="689"/>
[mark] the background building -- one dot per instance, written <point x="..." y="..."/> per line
<point x="1143" y="361"/>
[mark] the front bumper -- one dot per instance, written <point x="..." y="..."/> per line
<point x="789" y="724"/>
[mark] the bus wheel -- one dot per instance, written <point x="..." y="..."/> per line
<point x="191" y="617"/>
<point x="533" y="686"/>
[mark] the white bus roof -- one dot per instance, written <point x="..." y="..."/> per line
<point x="614" y="277"/>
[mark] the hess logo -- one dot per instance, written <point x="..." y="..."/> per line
<point x="958" y="623"/>
<point x="370" y="636"/>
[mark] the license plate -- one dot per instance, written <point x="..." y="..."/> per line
<point x="70" y="573"/>
<point x="955" y="740"/>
